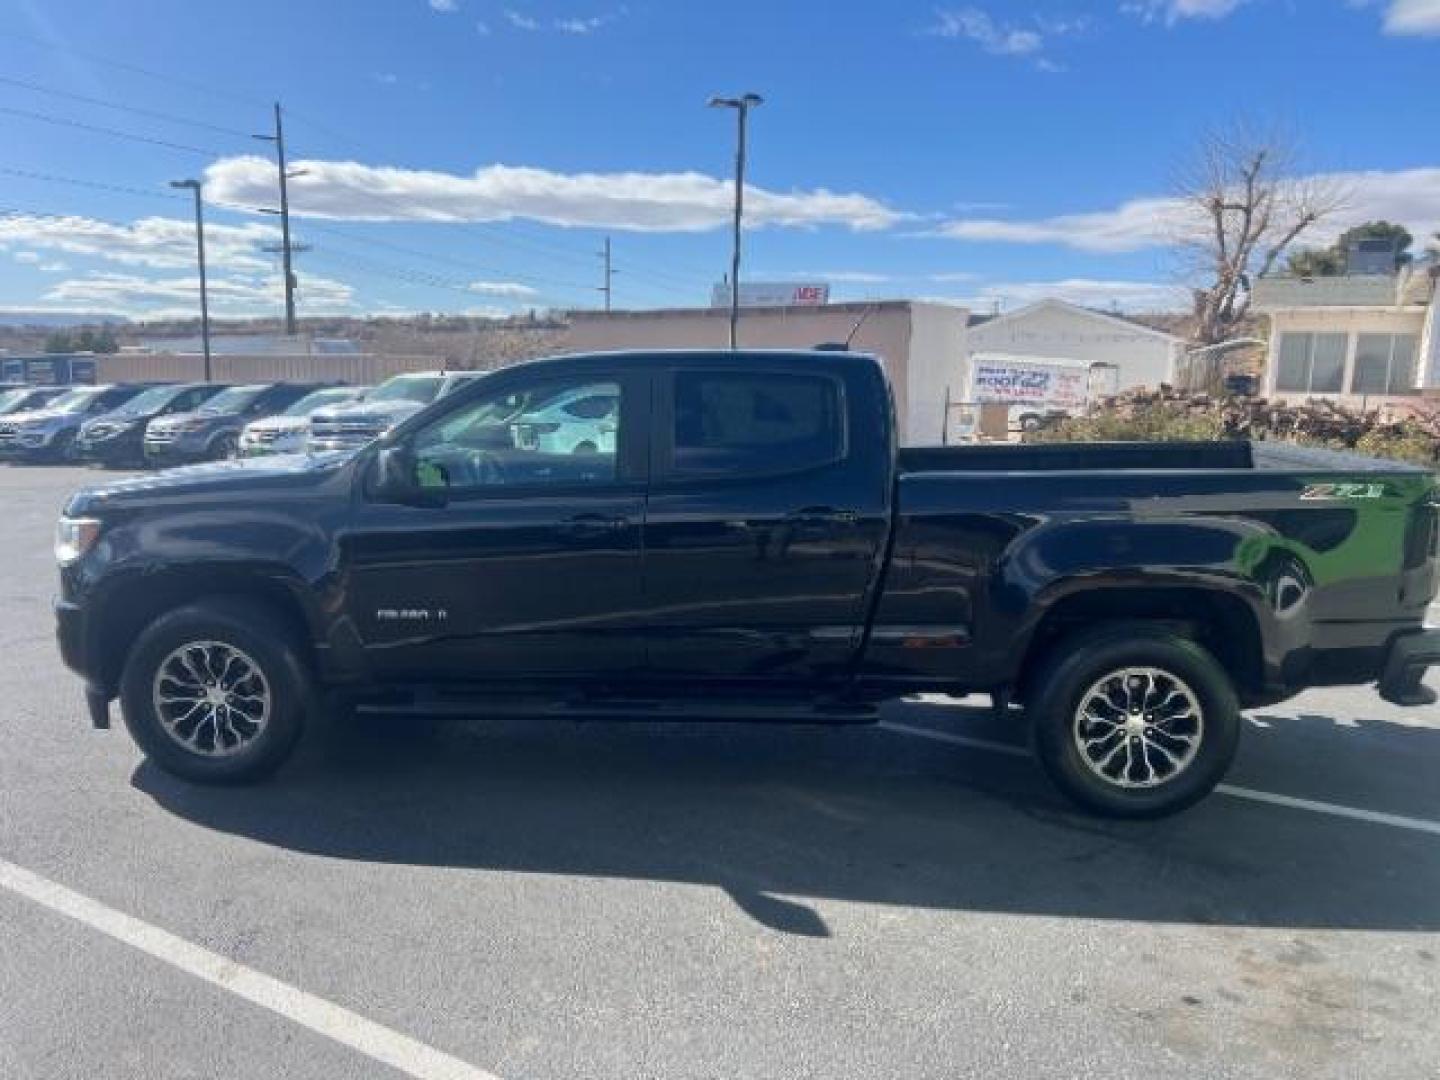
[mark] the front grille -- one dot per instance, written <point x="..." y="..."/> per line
<point x="336" y="429"/>
<point x="160" y="436"/>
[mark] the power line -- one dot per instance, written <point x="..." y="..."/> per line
<point x="153" y="114"/>
<point x="52" y="178"/>
<point x="61" y="121"/>
<point x="136" y="69"/>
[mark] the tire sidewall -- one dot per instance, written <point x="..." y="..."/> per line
<point x="260" y="637"/>
<point x="1077" y="667"/>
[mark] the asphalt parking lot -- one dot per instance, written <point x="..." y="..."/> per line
<point x="495" y="899"/>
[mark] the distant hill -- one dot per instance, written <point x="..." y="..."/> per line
<point x="60" y="319"/>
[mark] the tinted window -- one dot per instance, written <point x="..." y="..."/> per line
<point x="733" y="423"/>
<point x="521" y="436"/>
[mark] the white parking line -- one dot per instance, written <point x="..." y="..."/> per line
<point x="1374" y="817"/>
<point x="374" y="1040"/>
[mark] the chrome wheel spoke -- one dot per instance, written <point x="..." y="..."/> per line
<point x="1138" y="727"/>
<point x="212" y="698"/>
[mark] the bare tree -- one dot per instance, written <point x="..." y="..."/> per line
<point x="1246" y="205"/>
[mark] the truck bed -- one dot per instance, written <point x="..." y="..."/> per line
<point x="1238" y="454"/>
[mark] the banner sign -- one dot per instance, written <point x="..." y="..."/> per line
<point x="1019" y="384"/>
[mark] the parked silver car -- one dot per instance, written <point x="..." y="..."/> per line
<point x="287" y="432"/>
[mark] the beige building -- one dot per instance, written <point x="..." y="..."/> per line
<point x="920" y="344"/>
<point x="1360" y="340"/>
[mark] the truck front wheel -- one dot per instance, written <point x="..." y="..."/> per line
<point x="1134" y="723"/>
<point x="215" y="692"/>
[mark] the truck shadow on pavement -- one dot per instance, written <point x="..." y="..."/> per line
<point x="779" y="816"/>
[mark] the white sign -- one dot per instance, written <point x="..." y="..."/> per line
<point x="1061" y="388"/>
<point x="773" y="294"/>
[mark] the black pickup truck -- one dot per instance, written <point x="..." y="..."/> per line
<point x="747" y="542"/>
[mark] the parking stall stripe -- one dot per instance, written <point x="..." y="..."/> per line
<point x="1374" y="817"/>
<point x="335" y="1022"/>
<point x="1290" y="802"/>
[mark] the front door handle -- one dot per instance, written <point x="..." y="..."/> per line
<point x="591" y="526"/>
<point x="814" y="516"/>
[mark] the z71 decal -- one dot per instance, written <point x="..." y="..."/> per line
<point x="1316" y="492"/>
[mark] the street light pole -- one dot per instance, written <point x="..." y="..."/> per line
<point x="194" y="185"/>
<point x="742" y="106"/>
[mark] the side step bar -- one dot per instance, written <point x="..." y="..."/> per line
<point x="644" y="710"/>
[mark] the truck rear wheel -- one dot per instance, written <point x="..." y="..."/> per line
<point x="1134" y="723"/>
<point x="215" y="692"/>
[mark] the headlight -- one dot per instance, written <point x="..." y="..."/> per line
<point x="74" y="537"/>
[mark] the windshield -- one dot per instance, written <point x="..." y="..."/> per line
<point x="152" y="400"/>
<point x="319" y="399"/>
<point x="232" y="400"/>
<point x="74" y="401"/>
<point x="418" y="388"/>
<point x="7" y="397"/>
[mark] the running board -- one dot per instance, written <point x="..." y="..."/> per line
<point x="644" y="710"/>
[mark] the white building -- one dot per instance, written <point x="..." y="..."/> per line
<point x="1360" y="340"/>
<point x="1141" y="355"/>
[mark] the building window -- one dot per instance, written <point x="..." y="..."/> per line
<point x="1311" y="363"/>
<point x="1384" y="364"/>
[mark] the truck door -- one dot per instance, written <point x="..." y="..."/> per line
<point x="764" y="529"/>
<point x="529" y="565"/>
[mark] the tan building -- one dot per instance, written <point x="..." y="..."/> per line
<point x="920" y="344"/>
<point x="1360" y="340"/>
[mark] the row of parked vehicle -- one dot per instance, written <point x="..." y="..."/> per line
<point x="178" y="423"/>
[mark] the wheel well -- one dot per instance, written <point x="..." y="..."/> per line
<point x="1223" y="624"/>
<point x="139" y="602"/>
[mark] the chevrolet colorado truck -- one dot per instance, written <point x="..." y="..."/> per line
<point x="752" y="545"/>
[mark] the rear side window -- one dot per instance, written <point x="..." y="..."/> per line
<point x="733" y="423"/>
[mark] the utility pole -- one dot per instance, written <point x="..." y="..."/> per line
<point x="742" y="107"/>
<point x="194" y="185"/>
<point x="604" y="253"/>
<point x="285" y="247"/>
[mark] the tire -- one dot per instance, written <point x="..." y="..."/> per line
<point x="213" y="636"/>
<point x="224" y="448"/>
<point x="1173" y="761"/>
<point x="586" y="448"/>
<point x="1030" y="422"/>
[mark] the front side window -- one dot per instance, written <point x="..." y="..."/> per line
<point x="523" y="436"/>
<point x="1311" y="363"/>
<point x="1384" y="364"/>
<point x="734" y="423"/>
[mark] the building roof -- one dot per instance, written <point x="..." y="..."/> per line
<point x="851" y="307"/>
<point x="1053" y="303"/>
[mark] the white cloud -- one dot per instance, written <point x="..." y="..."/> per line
<point x="955" y="276"/>
<point x="482" y="28"/>
<point x="1421" y="17"/>
<point x="386" y="78"/>
<point x="520" y="20"/>
<point x="134" y="294"/>
<point x="29" y="258"/>
<point x="154" y="242"/>
<point x="975" y="25"/>
<point x="1172" y="11"/>
<point x="54" y="267"/>
<point x="640" y="202"/>
<point x="1410" y="197"/>
<point x="509" y="289"/>
<point x="445" y="7"/>
<point x="1088" y="292"/>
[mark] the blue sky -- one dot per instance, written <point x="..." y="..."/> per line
<point x="472" y="154"/>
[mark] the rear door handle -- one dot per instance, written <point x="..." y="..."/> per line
<point x="822" y="515"/>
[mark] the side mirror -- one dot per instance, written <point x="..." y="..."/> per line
<point x="393" y="479"/>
